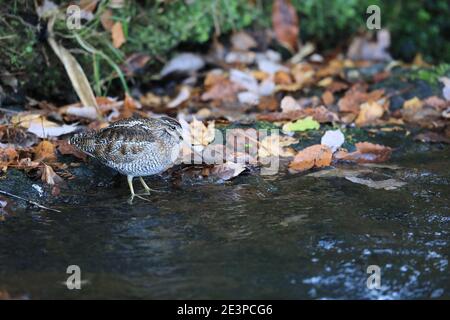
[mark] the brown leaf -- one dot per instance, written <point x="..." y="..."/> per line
<point x="107" y="19"/>
<point x="415" y="111"/>
<point x="317" y="156"/>
<point x="320" y="114"/>
<point x="227" y="170"/>
<point x="135" y="63"/>
<point x="117" y="34"/>
<point x="369" y="114"/>
<point x="45" y="151"/>
<point x="269" y="103"/>
<point x="436" y="102"/>
<point x="282" y="77"/>
<point x="275" y="145"/>
<point x="67" y="149"/>
<point x="432" y="137"/>
<point x="27" y="164"/>
<point x="7" y="156"/>
<point x="49" y="176"/>
<point x="242" y="41"/>
<point x="285" y="24"/>
<point x="76" y="74"/>
<point x="327" y="97"/>
<point x="356" y="96"/>
<point x="366" y="152"/>
<point x="224" y="91"/>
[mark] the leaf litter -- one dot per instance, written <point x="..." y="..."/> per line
<point x="248" y="83"/>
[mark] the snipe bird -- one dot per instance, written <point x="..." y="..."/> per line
<point x="135" y="147"/>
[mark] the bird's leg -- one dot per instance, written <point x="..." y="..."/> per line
<point x="130" y="184"/>
<point x="146" y="187"/>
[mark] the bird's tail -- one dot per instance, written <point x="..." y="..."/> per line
<point x="84" y="141"/>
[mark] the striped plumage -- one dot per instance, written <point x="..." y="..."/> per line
<point x="135" y="147"/>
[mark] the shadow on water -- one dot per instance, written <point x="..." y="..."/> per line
<point x="284" y="236"/>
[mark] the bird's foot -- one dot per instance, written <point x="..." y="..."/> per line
<point x="148" y="190"/>
<point x="130" y="200"/>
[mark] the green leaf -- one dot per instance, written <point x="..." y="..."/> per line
<point x="307" y="123"/>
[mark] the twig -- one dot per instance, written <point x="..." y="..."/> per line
<point x="28" y="201"/>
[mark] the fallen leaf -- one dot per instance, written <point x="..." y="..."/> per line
<point x="275" y="145"/>
<point x="183" y="95"/>
<point x="369" y="114"/>
<point x="200" y="134"/>
<point x="305" y="124"/>
<point x="27" y="164"/>
<point x="294" y="220"/>
<point x="76" y="74"/>
<point x="225" y="91"/>
<point x="282" y="77"/>
<point x="118" y="37"/>
<point x="183" y="63"/>
<point x="248" y="97"/>
<point x="242" y="41"/>
<point x="333" y="139"/>
<point x="320" y="114"/>
<point x="106" y="19"/>
<point x="316" y="156"/>
<point x="49" y="176"/>
<point x="389" y="184"/>
<point x="289" y="104"/>
<point x="268" y="104"/>
<point x="327" y="98"/>
<point x="135" y="63"/>
<point x="363" y="48"/>
<point x="415" y="111"/>
<point x="446" y="89"/>
<point x="436" y="102"/>
<point x="44" y="151"/>
<point x="8" y="155"/>
<point x="244" y="80"/>
<point x="285" y="24"/>
<point x="65" y="148"/>
<point x="227" y="170"/>
<point x="239" y="57"/>
<point x="47" y="129"/>
<point x="366" y="152"/>
<point x="356" y="96"/>
<point x="432" y="137"/>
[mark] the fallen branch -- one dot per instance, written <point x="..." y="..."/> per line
<point x="6" y="193"/>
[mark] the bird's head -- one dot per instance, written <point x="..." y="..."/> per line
<point x="173" y="127"/>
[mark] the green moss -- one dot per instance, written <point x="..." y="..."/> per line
<point x="157" y="27"/>
<point x="432" y="74"/>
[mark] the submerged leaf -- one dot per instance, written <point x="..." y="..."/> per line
<point x="389" y="184"/>
<point x="227" y="170"/>
<point x="366" y="152"/>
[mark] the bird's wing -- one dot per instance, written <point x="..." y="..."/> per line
<point x="125" y="142"/>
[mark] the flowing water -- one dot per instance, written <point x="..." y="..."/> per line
<point x="282" y="236"/>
